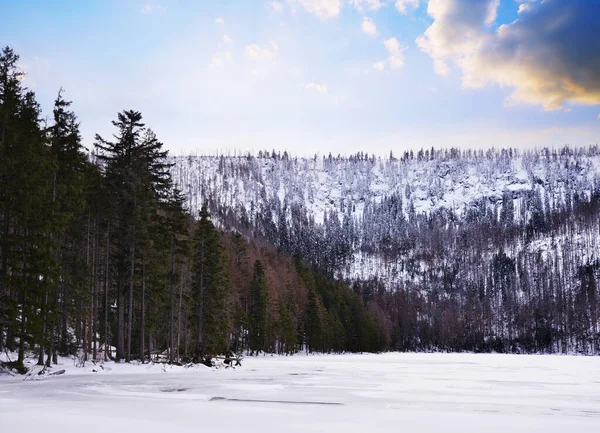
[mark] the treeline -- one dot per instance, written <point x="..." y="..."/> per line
<point x="99" y="256"/>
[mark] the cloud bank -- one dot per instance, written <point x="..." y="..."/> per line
<point x="548" y="55"/>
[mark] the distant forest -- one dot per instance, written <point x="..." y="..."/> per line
<point x="449" y="250"/>
<point x="128" y="248"/>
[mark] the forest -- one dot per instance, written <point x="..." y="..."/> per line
<point x="449" y="249"/>
<point x="100" y="258"/>
<point x="122" y="251"/>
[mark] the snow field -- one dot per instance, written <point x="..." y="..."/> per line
<point x="350" y="393"/>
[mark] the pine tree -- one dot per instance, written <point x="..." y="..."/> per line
<point x="138" y="177"/>
<point x="69" y="221"/>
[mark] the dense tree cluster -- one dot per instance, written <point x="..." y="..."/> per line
<point x="99" y="257"/>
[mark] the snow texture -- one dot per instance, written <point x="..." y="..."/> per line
<point x="324" y="393"/>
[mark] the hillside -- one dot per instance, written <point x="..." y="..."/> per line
<point x="515" y="231"/>
<point x="272" y="194"/>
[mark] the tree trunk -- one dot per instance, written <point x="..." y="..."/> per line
<point x="120" y="322"/>
<point x="179" y="313"/>
<point x="199" y="343"/>
<point x="43" y="336"/>
<point x="5" y="291"/>
<point x="186" y="336"/>
<point x="130" y="308"/>
<point x="84" y="326"/>
<point x="21" y="356"/>
<point x="172" y="307"/>
<point x="93" y="315"/>
<point x="85" y="319"/>
<point x="106" y="273"/>
<point x="143" y="324"/>
<point x="49" y="323"/>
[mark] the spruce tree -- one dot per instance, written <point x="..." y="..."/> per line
<point x="138" y="177"/>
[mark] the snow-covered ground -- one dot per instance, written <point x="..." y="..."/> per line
<point x="347" y="393"/>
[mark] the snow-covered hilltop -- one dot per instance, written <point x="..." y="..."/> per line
<point x="324" y="185"/>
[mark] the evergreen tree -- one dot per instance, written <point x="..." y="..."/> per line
<point x="70" y="224"/>
<point x="137" y="174"/>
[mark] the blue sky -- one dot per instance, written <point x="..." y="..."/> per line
<point x="323" y="76"/>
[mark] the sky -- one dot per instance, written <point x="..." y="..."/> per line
<point x="319" y="76"/>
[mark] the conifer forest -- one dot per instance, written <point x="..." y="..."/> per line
<point x="123" y="251"/>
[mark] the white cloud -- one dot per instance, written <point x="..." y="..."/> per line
<point x="255" y="51"/>
<point x="369" y="27"/>
<point x="317" y="87"/>
<point x="220" y="21"/>
<point x="492" y="12"/>
<point x="598" y="116"/>
<point x="221" y="59"/>
<point x="548" y="57"/>
<point x="392" y="45"/>
<point x="396" y="52"/>
<point x="395" y="58"/>
<point x="402" y="5"/>
<point x="252" y="50"/>
<point x="153" y="8"/>
<point x="396" y="61"/>
<point x="227" y="39"/>
<point x="525" y="7"/>
<point x="324" y="9"/>
<point x="371" y="5"/>
<point x="277" y="7"/>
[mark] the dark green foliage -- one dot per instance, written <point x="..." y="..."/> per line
<point x="138" y="181"/>
<point x="336" y="320"/>
<point x="27" y="265"/>
<point x="211" y="291"/>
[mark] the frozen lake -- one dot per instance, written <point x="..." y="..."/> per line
<point x="350" y="393"/>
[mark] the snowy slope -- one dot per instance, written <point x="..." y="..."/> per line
<point x="325" y="193"/>
<point x="324" y="185"/>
